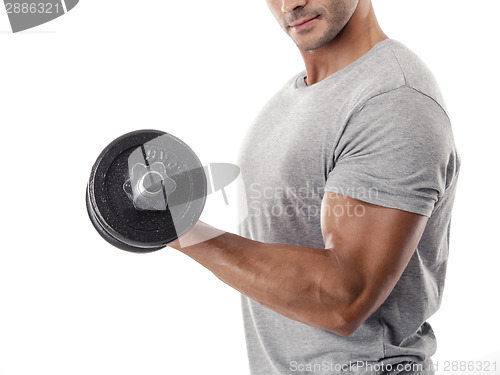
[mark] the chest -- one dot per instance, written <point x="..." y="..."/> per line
<point x="292" y="142"/>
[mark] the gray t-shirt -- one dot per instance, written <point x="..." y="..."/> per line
<point x="376" y="131"/>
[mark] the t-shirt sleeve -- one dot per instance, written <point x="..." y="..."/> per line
<point x="396" y="151"/>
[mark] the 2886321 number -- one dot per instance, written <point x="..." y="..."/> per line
<point x="32" y="8"/>
<point x="466" y="366"/>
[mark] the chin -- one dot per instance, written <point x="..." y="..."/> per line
<point x="309" y="45"/>
<point x="310" y="42"/>
<point x="316" y="43"/>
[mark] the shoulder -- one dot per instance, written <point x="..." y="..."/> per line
<point x="390" y="66"/>
<point x="416" y="73"/>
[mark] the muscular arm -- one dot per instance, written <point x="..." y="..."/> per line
<point x="335" y="288"/>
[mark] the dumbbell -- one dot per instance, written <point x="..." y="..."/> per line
<point x="147" y="188"/>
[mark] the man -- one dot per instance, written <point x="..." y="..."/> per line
<point x="350" y="172"/>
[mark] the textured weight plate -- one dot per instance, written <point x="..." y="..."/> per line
<point x="146" y="189"/>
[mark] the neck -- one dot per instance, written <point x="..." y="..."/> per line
<point x="360" y="34"/>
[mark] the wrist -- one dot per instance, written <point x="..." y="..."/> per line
<point x="198" y="234"/>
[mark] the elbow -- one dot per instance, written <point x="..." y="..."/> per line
<point x="347" y="320"/>
<point x="346" y="312"/>
<point x="344" y="300"/>
<point x="344" y="325"/>
<point x="347" y="328"/>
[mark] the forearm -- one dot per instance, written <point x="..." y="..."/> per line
<point x="305" y="284"/>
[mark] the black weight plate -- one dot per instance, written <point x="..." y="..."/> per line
<point x="112" y="240"/>
<point x="113" y="211"/>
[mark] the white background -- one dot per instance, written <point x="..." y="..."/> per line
<point x="201" y="70"/>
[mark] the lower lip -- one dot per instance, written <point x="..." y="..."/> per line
<point x="304" y="25"/>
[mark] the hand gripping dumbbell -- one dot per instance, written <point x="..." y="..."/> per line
<point x="148" y="188"/>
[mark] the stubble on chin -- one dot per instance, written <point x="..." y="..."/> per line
<point x="312" y="39"/>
